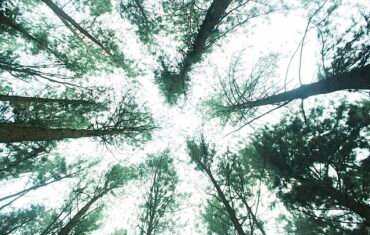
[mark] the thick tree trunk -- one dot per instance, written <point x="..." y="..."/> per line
<point x="24" y="99"/>
<point x="213" y="17"/>
<point x="355" y="79"/>
<point x="63" y="16"/>
<point x="67" y="229"/>
<point x="15" y="133"/>
<point x="231" y="212"/>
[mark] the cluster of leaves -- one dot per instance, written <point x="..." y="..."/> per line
<point x="317" y="167"/>
<point x="235" y="185"/>
<point x="160" y="199"/>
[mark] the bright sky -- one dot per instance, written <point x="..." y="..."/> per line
<point x="281" y="33"/>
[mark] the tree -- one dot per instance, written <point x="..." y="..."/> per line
<point x="82" y="211"/>
<point x="127" y="120"/>
<point x="301" y="224"/>
<point x="46" y="172"/>
<point x="315" y="166"/>
<point x="20" y="158"/>
<point x="205" y="29"/>
<point x="160" y="200"/>
<point x="233" y="184"/>
<point x="69" y="56"/>
<point x="66" y="74"/>
<point x="23" y="99"/>
<point x="148" y="22"/>
<point x="68" y="21"/>
<point x="344" y="65"/>
<point x="22" y="221"/>
<point x="217" y="219"/>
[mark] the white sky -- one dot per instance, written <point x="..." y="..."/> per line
<point x="281" y="33"/>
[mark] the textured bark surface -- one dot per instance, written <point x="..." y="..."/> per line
<point x="14" y="133"/>
<point x="230" y="211"/>
<point x="356" y="79"/>
<point x="213" y="17"/>
<point x="25" y="99"/>
<point x="63" y="16"/>
<point x="67" y="229"/>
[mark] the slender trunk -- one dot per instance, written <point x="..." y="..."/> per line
<point x="231" y="212"/>
<point x="254" y="218"/>
<point x="142" y="11"/>
<point x="46" y="231"/>
<point x="15" y="133"/>
<point x="23" y="192"/>
<point x="24" y="99"/>
<point x="48" y="76"/>
<point x="354" y="79"/>
<point x="153" y="203"/>
<point x="16" y="227"/>
<point x="63" y="16"/>
<point x="213" y="17"/>
<point x="9" y="203"/>
<point x="76" y="218"/>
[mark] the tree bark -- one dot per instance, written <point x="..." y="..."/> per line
<point x="76" y="218"/>
<point x="213" y="17"/>
<point x="24" y="99"/>
<point x="254" y="218"/>
<point x="355" y="79"/>
<point x="238" y="227"/>
<point x="15" y="133"/>
<point x="63" y="16"/>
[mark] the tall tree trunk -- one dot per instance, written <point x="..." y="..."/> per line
<point x="231" y="212"/>
<point x="213" y="17"/>
<point x="77" y="217"/>
<point x="63" y="16"/>
<point x="15" y="133"/>
<point x="25" y="99"/>
<point x="354" y="79"/>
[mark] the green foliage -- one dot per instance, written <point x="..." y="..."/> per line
<point x="170" y="82"/>
<point x="24" y="221"/>
<point x="313" y="164"/>
<point x="234" y="184"/>
<point x="90" y="222"/>
<point x="96" y="7"/>
<point x="160" y="199"/>
<point x="201" y="153"/>
<point x="148" y="23"/>
<point x="117" y="176"/>
<point x="216" y="218"/>
<point x="343" y="49"/>
<point x="300" y="224"/>
<point x="133" y="122"/>
<point x="119" y="232"/>
<point x="230" y="104"/>
<point x="20" y="158"/>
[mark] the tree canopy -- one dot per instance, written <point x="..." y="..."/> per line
<point x="184" y="117"/>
